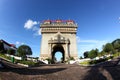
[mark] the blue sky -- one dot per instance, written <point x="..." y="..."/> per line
<point x="98" y="21"/>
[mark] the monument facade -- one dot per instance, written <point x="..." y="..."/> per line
<point x="58" y="35"/>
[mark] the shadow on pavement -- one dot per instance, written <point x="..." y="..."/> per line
<point x="27" y="71"/>
<point x="105" y="71"/>
<point x="10" y="67"/>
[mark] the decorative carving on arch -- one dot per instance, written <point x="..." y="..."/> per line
<point x="59" y="39"/>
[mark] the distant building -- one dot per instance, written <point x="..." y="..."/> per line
<point x="6" y="46"/>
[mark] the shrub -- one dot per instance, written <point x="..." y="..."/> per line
<point x="11" y="52"/>
<point x="6" y="57"/>
<point x="49" y="60"/>
<point x="71" y="58"/>
<point x="111" y="57"/>
<point x="30" y="63"/>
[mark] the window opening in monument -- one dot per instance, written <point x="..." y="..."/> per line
<point x="58" y="56"/>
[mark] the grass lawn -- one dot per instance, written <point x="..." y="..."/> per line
<point x="4" y="56"/>
<point x="85" y="63"/>
<point x="116" y="55"/>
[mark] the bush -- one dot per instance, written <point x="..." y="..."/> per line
<point x="96" y="61"/>
<point x="116" y="55"/>
<point x="111" y="57"/>
<point x="93" y="62"/>
<point x="71" y="58"/>
<point x="3" y="51"/>
<point x="100" y="60"/>
<point x="30" y="63"/>
<point x="6" y="57"/>
<point x="49" y="60"/>
<point x="11" y="52"/>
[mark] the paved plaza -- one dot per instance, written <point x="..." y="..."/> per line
<point x="104" y="71"/>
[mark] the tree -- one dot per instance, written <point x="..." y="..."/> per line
<point x="102" y="53"/>
<point x="24" y="50"/>
<point x="93" y="53"/>
<point x="81" y="57"/>
<point x="108" y="48"/>
<point x="116" y="41"/>
<point x="85" y="54"/>
<point x="96" y="51"/>
<point x="116" y="45"/>
<point x="11" y="52"/>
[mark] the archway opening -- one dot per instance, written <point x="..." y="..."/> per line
<point x="58" y="57"/>
<point x="58" y="51"/>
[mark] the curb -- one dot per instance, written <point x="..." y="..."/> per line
<point x="23" y="65"/>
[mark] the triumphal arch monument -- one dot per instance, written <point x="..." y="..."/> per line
<point x="58" y="35"/>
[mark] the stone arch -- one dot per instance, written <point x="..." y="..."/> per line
<point x="58" y="37"/>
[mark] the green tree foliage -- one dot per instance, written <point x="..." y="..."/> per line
<point x="116" y="41"/>
<point x="11" y="52"/>
<point x="81" y="57"/>
<point x="72" y="58"/>
<point x="93" y="53"/>
<point x="116" y="45"/>
<point x="49" y="60"/>
<point x="85" y="54"/>
<point x="24" y="50"/>
<point x="108" y="48"/>
<point x="102" y="53"/>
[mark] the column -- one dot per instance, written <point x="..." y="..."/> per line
<point x="50" y="50"/>
<point x="66" y="53"/>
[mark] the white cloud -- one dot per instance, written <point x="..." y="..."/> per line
<point x="0" y="33"/>
<point x="119" y="18"/>
<point x="78" y="39"/>
<point x="89" y="41"/>
<point x="30" y="24"/>
<point x="92" y="45"/>
<point x="39" y="32"/>
<point x="22" y="43"/>
<point x="35" y="28"/>
<point x="87" y="45"/>
<point x="86" y="41"/>
<point x="19" y="43"/>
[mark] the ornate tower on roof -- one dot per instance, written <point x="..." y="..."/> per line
<point x="58" y="35"/>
